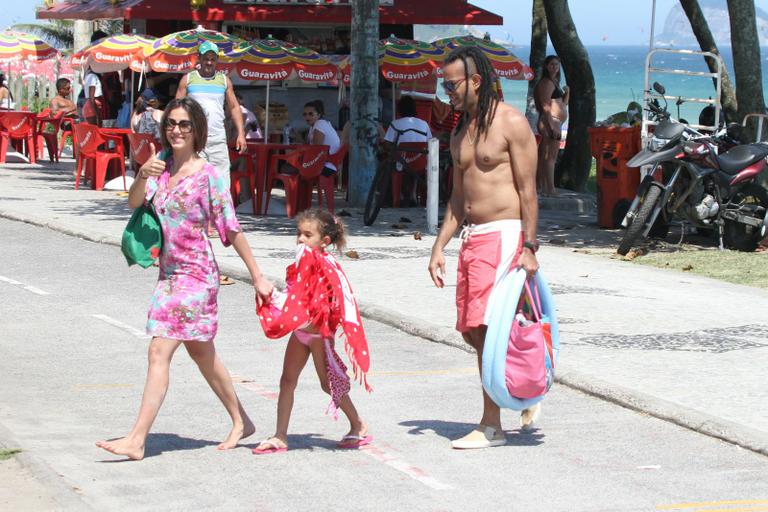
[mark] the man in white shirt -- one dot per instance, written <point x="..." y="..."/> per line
<point x="94" y="98"/>
<point x="397" y="134"/>
<point x="407" y="109"/>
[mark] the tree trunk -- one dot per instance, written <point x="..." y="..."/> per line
<point x="746" y="59"/>
<point x="707" y="43"/>
<point x="538" y="54"/>
<point x="363" y="98"/>
<point x="576" y="161"/>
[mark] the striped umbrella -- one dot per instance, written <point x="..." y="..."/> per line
<point x="177" y="52"/>
<point x="20" y="46"/>
<point x="504" y="62"/>
<point x="116" y="53"/>
<point x="273" y="59"/>
<point x="402" y="60"/>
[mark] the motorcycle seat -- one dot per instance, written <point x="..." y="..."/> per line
<point x="738" y="158"/>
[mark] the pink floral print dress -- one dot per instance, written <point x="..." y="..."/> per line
<point x="184" y="302"/>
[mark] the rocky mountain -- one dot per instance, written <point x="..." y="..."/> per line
<point x="677" y="29"/>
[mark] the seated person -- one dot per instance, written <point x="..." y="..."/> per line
<point x="396" y="134"/>
<point x="61" y="102"/>
<point x="146" y="114"/>
<point x="320" y="132"/>
<point x="250" y="121"/>
<point x="407" y="121"/>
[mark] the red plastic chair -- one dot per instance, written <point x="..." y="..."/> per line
<point x="414" y="162"/>
<point x="93" y="157"/>
<point x="17" y="127"/>
<point x="140" y="147"/>
<point x="49" y="138"/>
<point x="249" y="173"/>
<point x="326" y="184"/>
<point x="67" y="131"/>
<point x="309" y="160"/>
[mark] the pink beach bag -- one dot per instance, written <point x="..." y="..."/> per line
<point x="526" y="369"/>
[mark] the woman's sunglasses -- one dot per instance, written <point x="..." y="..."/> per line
<point x="184" y="126"/>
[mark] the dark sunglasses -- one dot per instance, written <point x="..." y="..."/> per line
<point x="184" y="126"/>
<point x="451" y="86"/>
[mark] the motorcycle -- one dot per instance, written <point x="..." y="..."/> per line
<point x="691" y="180"/>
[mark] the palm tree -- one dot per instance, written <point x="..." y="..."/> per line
<point x="746" y="59"/>
<point x="61" y="33"/>
<point x="707" y="42"/>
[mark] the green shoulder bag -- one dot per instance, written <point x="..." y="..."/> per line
<point x="143" y="237"/>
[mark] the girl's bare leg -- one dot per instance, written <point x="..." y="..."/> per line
<point x="296" y="355"/>
<point x="160" y="353"/>
<point x="357" y="426"/>
<point x="203" y="353"/>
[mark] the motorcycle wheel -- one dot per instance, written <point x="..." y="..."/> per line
<point x="377" y="193"/>
<point x="638" y="223"/>
<point x="741" y="236"/>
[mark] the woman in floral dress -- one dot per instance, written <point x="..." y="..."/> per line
<point x="186" y="195"/>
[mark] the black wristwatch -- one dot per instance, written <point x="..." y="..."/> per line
<point x="532" y="245"/>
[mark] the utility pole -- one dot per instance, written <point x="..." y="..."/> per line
<point x="363" y="99"/>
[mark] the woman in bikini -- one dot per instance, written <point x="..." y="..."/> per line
<point x="551" y="102"/>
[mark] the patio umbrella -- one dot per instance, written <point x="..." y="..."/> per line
<point x="402" y="60"/>
<point x="116" y="53"/>
<point x="16" y="46"/>
<point x="504" y="62"/>
<point x="20" y="46"/>
<point x="177" y="52"/>
<point x="272" y="59"/>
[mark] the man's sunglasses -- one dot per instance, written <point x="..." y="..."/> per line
<point x="451" y="86"/>
<point x="184" y="126"/>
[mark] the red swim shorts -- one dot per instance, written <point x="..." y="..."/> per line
<point x="487" y="252"/>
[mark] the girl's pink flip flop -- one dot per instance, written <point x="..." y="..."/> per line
<point x="272" y="447"/>
<point x="357" y="441"/>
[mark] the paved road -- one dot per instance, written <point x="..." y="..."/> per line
<point x="72" y="363"/>
<point x="675" y="345"/>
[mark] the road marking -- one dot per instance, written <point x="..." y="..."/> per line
<point x="710" y="504"/>
<point x="28" y="287"/>
<point x="256" y="388"/>
<point x="380" y="452"/>
<point x="388" y="457"/>
<point x="120" y="325"/>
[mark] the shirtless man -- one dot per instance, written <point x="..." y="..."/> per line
<point x="61" y="101"/>
<point x="494" y="190"/>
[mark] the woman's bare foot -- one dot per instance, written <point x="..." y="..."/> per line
<point x="124" y="446"/>
<point x="238" y="432"/>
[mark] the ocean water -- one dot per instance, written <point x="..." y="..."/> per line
<point x="619" y="79"/>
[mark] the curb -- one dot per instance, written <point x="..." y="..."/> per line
<point x="568" y="204"/>
<point x="745" y="437"/>
<point x="61" y="492"/>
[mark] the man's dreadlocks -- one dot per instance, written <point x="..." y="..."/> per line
<point x="488" y="98"/>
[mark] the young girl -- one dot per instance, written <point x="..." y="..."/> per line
<point x="317" y="301"/>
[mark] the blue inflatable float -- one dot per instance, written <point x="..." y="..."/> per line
<point x="503" y="305"/>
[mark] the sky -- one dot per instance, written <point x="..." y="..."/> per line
<point x="614" y="22"/>
<point x="609" y="22"/>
